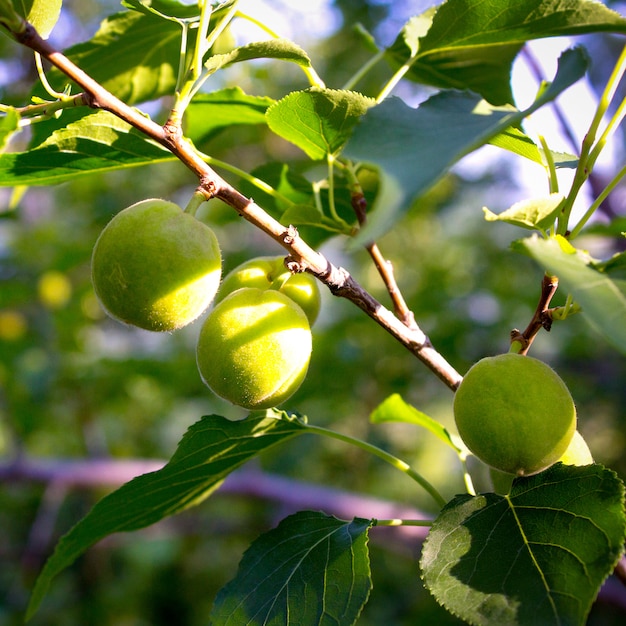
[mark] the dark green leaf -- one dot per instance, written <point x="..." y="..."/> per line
<point x="318" y="121"/>
<point x="534" y="213"/>
<point x="413" y="148"/>
<point x="537" y="556"/>
<point x="395" y="409"/>
<point x="282" y="49"/>
<point x="292" y="187"/>
<point x="209" y="113"/>
<point x="471" y="44"/>
<point x="310" y="569"/>
<point x="602" y="298"/>
<point x="97" y="143"/>
<point x="210" y="450"/>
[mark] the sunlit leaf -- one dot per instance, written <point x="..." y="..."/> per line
<point x="133" y="55"/>
<point x="100" y="142"/>
<point x="9" y="123"/>
<point x="537" y="556"/>
<point x="318" y="121"/>
<point x="212" y="112"/>
<point x="471" y="44"/>
<point x="167" y="8"/>
<point x="395" y="409"/>
<point x="602" y="298"/>
<point x="281" y="49"/>
<point x="310" y="569"/>
<point x="42" y="14"/>
<point x="533" y="213"/>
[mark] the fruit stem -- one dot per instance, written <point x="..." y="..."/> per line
<point x="404" y="522"/>
<point x="198" y="198"/>
<point x="385" y="456"/>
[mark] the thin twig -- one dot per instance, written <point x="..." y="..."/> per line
<point x="541" y="317"/>
<point x="337" y="279"/>
<point x="384" y="266"/>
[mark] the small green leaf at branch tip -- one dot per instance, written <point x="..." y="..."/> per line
<point x="602" y="298"/>
<point x="395" y="409"/>
<point x="533" y="214"/>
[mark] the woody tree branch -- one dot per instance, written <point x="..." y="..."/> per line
<point x="302" y="256"/>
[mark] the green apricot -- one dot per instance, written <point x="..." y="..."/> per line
<point x="515" y="413"/>
<point x="269" y="272"/>
<point x="156" y="267"/>
<point x="254" y="348"/>
<point x="577" y="453"/>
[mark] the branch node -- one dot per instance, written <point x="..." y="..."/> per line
<point x="208" y="186"/>
<point x="290" y="235"/>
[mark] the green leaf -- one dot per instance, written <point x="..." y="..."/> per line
<point x="515" y="141"/>
<point x="9" y="123"/>
<point x="281" y="49"/>
<point x="413" y="148"/>
<point x="602" y="298"/>
<point x="471" y="44"/>
<point x="97" y="143"/>
<point x="164" y="8"/>
<point x="210" y="450"/>
<point x="302" y="214"/>
<point x="210" y="113"/>
<point x="42" y="14"/>
<point x="292" y="187"/>
<point x="133" y="55"/>
<point x="310" y="569"/>
<point x="537" y="556"/>
<point x="395" y="409"/>
<point x="533" y="213"/>
<point x="318" y="121"/>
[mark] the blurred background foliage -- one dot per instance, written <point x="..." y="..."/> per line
<point x="75" y="384"/>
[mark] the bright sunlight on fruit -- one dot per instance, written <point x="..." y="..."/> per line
<point x="269" y="272"/>
<point x="254" y="348"/>
<point x="155" y="266"/>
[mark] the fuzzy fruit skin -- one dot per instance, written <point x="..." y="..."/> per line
<point x="515" y="413"/>
<point x="254" y="348"/>
<point x="156" y="267"/>
<point x="269" y="272"/>
<point x="577" y="453"/>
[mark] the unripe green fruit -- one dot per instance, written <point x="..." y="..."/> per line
<point x="269" y="272"/>
<point x="515" y="413"/>
<point x="577" y="453"/>
<point x="254" y="348"/>
<point x="155" y="266"/>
